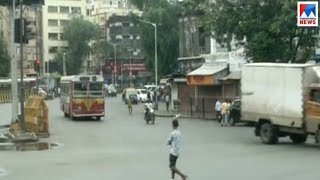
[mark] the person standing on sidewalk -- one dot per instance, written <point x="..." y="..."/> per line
<point x="218" y="110"/>
<point x="224" y="113"/>
<point x="174" y="141"/>
<point x="167" y="98"/>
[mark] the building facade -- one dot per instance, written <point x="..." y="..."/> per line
<point x="55" y="16"/>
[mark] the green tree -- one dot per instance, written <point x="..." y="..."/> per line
<point x="4" y="59"/>
<point x="268" y="28"/>
<point x="166" y="15"/>
<point x="78" y="33"/>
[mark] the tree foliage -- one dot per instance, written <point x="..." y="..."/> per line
<point x="267" y="28"/>
<point x="165" y="15"/>
<point x="78" y="33"/>
<point x="4" y="59"/>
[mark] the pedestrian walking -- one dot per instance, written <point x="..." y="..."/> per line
<point x="148" y="96"/>
<point x="167" y="98"/>
<point x="224" y="113"/>
<point x="174" y="141"/>
<point x="218" y="110"/>
<point x="228" y="110"/>
<point x="59" y="91"/>
<point x="129" y="102"/>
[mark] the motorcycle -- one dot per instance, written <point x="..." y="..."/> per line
<point x="149" y="115"/>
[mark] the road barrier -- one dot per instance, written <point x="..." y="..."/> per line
<point x="7" y="97"/>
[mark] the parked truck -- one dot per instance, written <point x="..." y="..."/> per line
<point x="282" y="100"/>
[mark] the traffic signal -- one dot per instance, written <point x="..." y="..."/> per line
<point x="17" y="30"/>
<point x="37" y="65"/>
<point x="27" y="31"/>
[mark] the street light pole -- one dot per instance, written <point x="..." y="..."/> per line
<point x="155" y="57"/>
<point x="155" y="50"/>
<point x="14" y="83"/>
<point x="64" y="65"/>
<point x="115" y="61"/>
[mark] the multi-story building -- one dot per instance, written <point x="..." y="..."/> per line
<point x="55" y="15"/>
<point x="30" y="52"/>
<point x="5" y="25"/>
<point x="112" y="17"/>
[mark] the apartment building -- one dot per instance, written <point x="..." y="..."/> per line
<point x="56" y="15"/>
<point x="30" y="52"/>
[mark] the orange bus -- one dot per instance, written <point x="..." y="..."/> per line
<point x="82" y="96"/>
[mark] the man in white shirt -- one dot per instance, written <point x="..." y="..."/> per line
<point x="218" y="107"/>
<point x="174" y="141"/>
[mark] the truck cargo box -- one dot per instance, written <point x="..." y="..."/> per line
<point x="276" y="92"/>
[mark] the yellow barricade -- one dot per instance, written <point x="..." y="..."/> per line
<point x="36" y="115"/>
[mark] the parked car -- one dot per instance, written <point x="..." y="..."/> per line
<point x="111" y="91"/>
<point x="142" y="95"/>
<point x="235" y="112"/>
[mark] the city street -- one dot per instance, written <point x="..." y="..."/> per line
<point x="122" y="147"/>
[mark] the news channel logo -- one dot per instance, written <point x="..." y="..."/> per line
<point x="307" y="13"/>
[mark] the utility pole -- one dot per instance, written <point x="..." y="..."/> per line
<point x="22" y="123"/>
<point x="14" y="83"/>
<point x="37" y="44"/>
<point x="64" y="65"/>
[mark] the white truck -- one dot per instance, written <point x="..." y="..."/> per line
<point x="282" y="100"/>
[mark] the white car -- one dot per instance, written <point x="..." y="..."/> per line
<point x="142" y="95"/>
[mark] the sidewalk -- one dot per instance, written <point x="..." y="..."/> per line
<point x="162" y="112"/>
<point x="5" y="114"/>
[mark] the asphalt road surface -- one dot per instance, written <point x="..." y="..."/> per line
<point x="122" y="147"/>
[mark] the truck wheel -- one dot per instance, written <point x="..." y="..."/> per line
<point x="298" y="138"/>
<point x="268" y="134"/>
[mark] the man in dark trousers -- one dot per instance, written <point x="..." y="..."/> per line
<point x="174" y="141"/>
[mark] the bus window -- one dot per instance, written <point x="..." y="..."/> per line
<point x="80" y="89"/>
<point x="96" y="89"/>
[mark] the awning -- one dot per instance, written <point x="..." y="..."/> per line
<point x="207" y="74"/>
<point x="236" y="75"/>
<point x="164" y="80"/>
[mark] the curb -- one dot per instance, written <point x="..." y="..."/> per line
<point x="171" y="115"/>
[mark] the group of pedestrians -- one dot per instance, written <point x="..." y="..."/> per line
<point x="223" y="111"/>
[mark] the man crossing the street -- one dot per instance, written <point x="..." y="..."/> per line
<point x="174" y="141"/>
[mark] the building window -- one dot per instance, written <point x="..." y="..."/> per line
<point x="53" y="36"/>
<point x="88" y="12"/>
<point x="52" y="9"/>
<point x="126" y="37"/>
<point x="53" y="50"/>
<point x="64" y="23"/>
<point x="64" y="9"/>
<point x="125" y="24"/>
<point x="62" y="36"/>
<point x="52" y="22"/>
<point x="76" y="10"/>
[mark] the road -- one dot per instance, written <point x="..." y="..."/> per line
<point x="123" y="147"/>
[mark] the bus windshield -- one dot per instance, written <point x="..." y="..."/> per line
<point x="80" y="89"/>
<point x="96" y="89"/>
